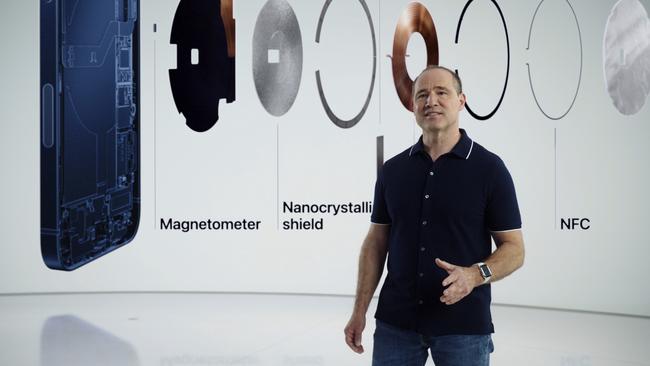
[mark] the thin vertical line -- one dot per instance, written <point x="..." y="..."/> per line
<point x="277" y="176"/>
<point x="555" y="159"/>
<point x="155" y="186"/>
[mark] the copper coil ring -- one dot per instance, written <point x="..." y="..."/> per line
<point x="414" y="19"/>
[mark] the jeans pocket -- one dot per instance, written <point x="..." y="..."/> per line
<point x="490" y="344"/>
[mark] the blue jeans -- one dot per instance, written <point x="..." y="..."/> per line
<point x="398" y="347"/>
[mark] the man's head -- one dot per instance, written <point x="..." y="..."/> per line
<point x="437" y="99"/>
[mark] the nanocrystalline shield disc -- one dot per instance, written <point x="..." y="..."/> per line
<point x="626" y="51"/>
<point x="277" y="56"/>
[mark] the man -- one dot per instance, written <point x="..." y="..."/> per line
<point x="437" y="206"/>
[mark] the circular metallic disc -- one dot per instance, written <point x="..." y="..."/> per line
<point x="414" y="19"/>
<point x="626" y="51"/>
<point x="277" y="56"/>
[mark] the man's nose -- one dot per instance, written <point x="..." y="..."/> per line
<point x="432" y="99"/>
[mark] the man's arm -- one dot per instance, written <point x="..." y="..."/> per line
<point x="507" y="258"/>
<point x="509" y="255"/>
<point x="371" y="265"/>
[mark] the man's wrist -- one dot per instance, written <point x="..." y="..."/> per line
<point x="483" y="273"/>
<point x="476" y="275"/>
<point x="360" y="309"/>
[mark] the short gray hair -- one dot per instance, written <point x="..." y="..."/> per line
<point x="458" y="85"/>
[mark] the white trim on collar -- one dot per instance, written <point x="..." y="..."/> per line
<point x="470" y="149"/>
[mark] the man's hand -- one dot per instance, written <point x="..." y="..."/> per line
<point x="353" y="332"/>
<point x="461" y="281"/>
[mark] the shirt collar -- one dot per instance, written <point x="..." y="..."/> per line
<point x="462" y="149"/>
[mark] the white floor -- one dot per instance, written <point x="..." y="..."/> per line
<point x="242" y="329"/>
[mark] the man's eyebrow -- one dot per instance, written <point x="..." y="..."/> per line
<point x="437" y="87"/>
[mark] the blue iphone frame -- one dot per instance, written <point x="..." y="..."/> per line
<point x="90" y="129"/>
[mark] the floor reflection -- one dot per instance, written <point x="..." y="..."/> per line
<point x="67" y="340"/>
<point x="184" y="329"/>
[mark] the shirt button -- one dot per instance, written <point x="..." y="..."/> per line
<point x="430" y="173"/>
<point x="420" y="302"/>
<point x="421" y="274"/>
<point x="424" y="222"/>
<point x="422" y="249"/>
<point x="426" y="196"/>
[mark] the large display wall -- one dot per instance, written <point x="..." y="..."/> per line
<point x="275" y="196"/>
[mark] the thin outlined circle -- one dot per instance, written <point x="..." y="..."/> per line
<point x="530" y="80"/>
<point x="336" y="120"/>
<point x="505" y="86"/>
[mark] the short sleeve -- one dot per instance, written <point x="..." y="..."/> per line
<point x="379" y="209"/>
<point x="502" y="207"/>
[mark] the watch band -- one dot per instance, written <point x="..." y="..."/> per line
<point x="482" y="267"/>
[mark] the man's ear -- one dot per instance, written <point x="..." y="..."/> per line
<point x="463" y="100"/>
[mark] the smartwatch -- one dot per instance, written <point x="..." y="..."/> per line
<point x="485" y="272"/>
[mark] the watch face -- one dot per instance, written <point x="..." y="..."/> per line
<point x="485" y="270"/>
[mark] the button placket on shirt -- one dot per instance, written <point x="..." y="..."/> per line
<point x="424" y="265"/>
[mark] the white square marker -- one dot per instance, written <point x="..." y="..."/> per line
<point x="195" y="56"/>
<point x="274" y="56"/>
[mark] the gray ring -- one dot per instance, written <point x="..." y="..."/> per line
<point x="530" y="80"/>
<point x="337" y="121"/>
<point x="277" y="84"/>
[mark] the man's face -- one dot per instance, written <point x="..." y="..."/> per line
<point x="436" y="103"/>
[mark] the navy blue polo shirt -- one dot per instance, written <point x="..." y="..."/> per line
<point x="440" y="209"/>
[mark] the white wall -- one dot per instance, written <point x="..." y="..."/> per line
<point x="589" y="164"/>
